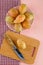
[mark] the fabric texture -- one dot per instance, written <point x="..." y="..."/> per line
<point x="5" y="5"/>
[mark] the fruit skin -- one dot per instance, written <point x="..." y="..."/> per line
<point x="22" y="8"/>
<point x="18" y="27"/>
<point x="26" y="24"/>
<point x="21" y="44"/>
<point x="20" y="18"/>
<point x="9" y="19"/>
<point x="13" y="12"/>
<point x="29" y="16"/>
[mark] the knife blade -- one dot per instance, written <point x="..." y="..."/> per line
<point x="15" y="49"/>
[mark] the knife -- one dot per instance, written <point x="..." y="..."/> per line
<point x="16" y="50"/>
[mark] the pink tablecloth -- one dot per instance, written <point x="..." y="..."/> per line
<point x="36" y="30"/>
<point x="5" y="5"/>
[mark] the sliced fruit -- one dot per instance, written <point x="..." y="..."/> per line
<point x="18" y="27"/>
<point x="22" y="8"/>
<point x="29" y="16"/>
<point x="20" y="18"/>
<point x="26" y="24"/>
<point x="9" y="19"/>
<point x="21" y="44"/>
<point x="13" y="12"/>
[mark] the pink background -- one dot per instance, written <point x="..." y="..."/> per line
<point x="36" y="30"/>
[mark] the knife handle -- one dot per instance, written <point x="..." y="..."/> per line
<point x="19" y="54"/>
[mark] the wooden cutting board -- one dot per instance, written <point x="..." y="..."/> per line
<point x="29" y="53"/>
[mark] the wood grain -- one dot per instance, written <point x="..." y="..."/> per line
<point x="29" y="53"/>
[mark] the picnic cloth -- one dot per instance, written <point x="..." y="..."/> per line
<point x="5" y="5"/>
